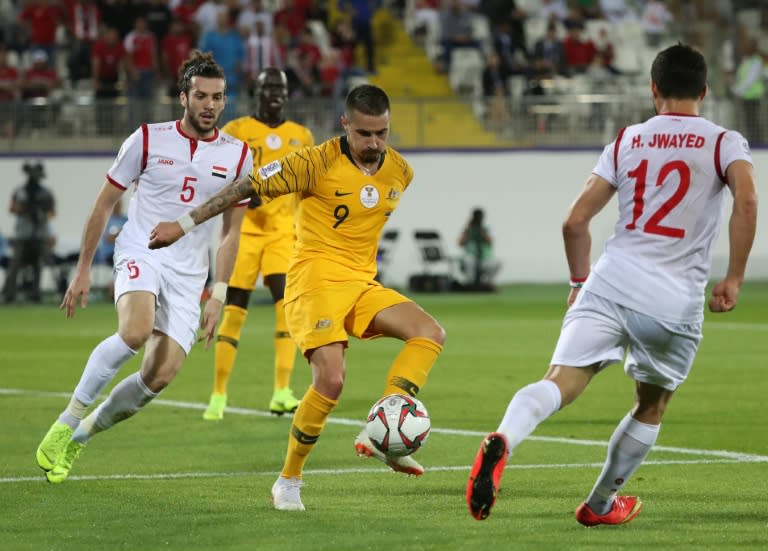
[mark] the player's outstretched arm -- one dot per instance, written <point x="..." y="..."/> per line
<point x="167" y="233"/>
<point x="80" y="285"/>
<point x="741" y="234"/>
<point x="578" y="241"/>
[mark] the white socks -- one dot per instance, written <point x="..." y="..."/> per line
<point x="529" y="406"/>
<point x="627" y="448"/>
<point x="103" y="364"/>
<point x="128" y="397"/>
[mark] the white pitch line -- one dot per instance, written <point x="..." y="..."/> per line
<point x="723" y="454"/>
<point x="359" y="470"/>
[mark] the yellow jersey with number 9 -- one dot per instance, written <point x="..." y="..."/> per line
<point x="268" y="144"/>
<point x="341" y="213"/>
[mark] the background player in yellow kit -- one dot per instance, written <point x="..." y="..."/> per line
<point x="348" y="186"/>
<point x="266" y="242"/>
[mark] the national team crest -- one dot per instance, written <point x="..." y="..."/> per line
<point x="369" y="196"/>
<point x="219" y="171"/>
<point x="274" y="142"/>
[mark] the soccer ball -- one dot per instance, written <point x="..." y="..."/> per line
<point x="398" y="425"/>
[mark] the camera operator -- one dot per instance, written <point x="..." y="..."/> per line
<point x="33" y="206"/>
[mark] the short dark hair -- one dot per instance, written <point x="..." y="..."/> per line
<point x="367" y="99"/>
<point x="679" y="72"/>
<point x="198" y="64"/>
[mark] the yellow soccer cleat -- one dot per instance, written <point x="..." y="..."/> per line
<point x="53" y="445"/>
<point x="216" y="407"/>
<point x="283" y="401"/>
<point x="61" y="469"/>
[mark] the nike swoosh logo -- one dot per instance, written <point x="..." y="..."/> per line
<point x="341" y="193"/>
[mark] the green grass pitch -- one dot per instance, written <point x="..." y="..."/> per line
<point x="166" y="479"/>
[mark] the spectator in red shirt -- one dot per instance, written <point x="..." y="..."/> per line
<point x="175" y="49"/>
<point x="292" y="17"/>
<point x="579" y="53"/>
<point x="9" y="94"/>
<point x="40" y="79"/>
<point x="185" y="12"/>
<point x="37" y="83"/>
<point x="108" y="60"/>
<point x="330" y="74"/>
<point x="343" y="39"/>
<point x="9" y="78"/>
<point x="40" y="19"/>
<point x="307" y="47"/>
<point x="84" y="18"/>
<point x="141" y="61"/>
<point x="604" y="52"/>
<point x="302" y="68"/>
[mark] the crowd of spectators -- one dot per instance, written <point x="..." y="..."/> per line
<point x="129" y="50"/>
<point x="562" y="48"/>
<point x="597" y="40"/>
<point x="133" y="48"/>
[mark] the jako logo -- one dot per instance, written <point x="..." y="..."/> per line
<point x="165" y="161"/>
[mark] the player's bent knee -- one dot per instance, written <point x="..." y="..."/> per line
<point x="329" y="385"/>
<point x="430" y="330"/>
<point x="135" y="337"/>
<point x="158" y="381"/>
<point x="438" y="334"/>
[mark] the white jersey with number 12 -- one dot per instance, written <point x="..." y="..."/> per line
<point x="670" y="177"/>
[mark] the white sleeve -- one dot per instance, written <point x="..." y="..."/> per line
<point x="247" y="167"/>
<point x="245" y="170"/>
<point x="605" y="167"/>
<point x="127" y="166"/>
<point x="734" y="147"/>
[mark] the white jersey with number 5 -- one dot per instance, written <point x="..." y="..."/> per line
<point x="670" y="177"/>
<point x="174" y="173"/>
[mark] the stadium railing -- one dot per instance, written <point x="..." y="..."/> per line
<point x="550" y="120"/>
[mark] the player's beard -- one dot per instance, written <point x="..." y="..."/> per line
<point x="202" y="126"/>
<point x="370" y="156"/>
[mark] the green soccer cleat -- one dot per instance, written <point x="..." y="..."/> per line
<point x="283" y="401"/>
<point x="215" y="410"/>
<point x="53" y="444"/>
<point x="61" y="469"/>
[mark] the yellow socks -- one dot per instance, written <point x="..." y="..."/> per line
<point x="285" y="349"/>
<point x="226" y="346"/>
<point x="308" y="422"/>
<point x="411" y="367"/>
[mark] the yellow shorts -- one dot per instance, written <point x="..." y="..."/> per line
<point x="332" y="313"/>
<point x="260" y="254"/>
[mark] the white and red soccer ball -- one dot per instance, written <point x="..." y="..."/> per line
<point x="398" y="425"/>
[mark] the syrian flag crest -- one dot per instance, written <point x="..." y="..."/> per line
<point x="219" y="171"/>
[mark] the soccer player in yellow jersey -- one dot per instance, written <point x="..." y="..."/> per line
<point x="348" y="187"/>
<point x="266" y="241"/>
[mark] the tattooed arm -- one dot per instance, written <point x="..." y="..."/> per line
<point x="297" y="172"/>
<point x="167" y="233"/>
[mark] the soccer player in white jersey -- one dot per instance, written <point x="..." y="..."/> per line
<point x="173" y="165"/>
<point x="644" y="298"/>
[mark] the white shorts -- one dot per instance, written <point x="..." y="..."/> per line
<point x="177" y="297"/>
<point x="598" y="331"/>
